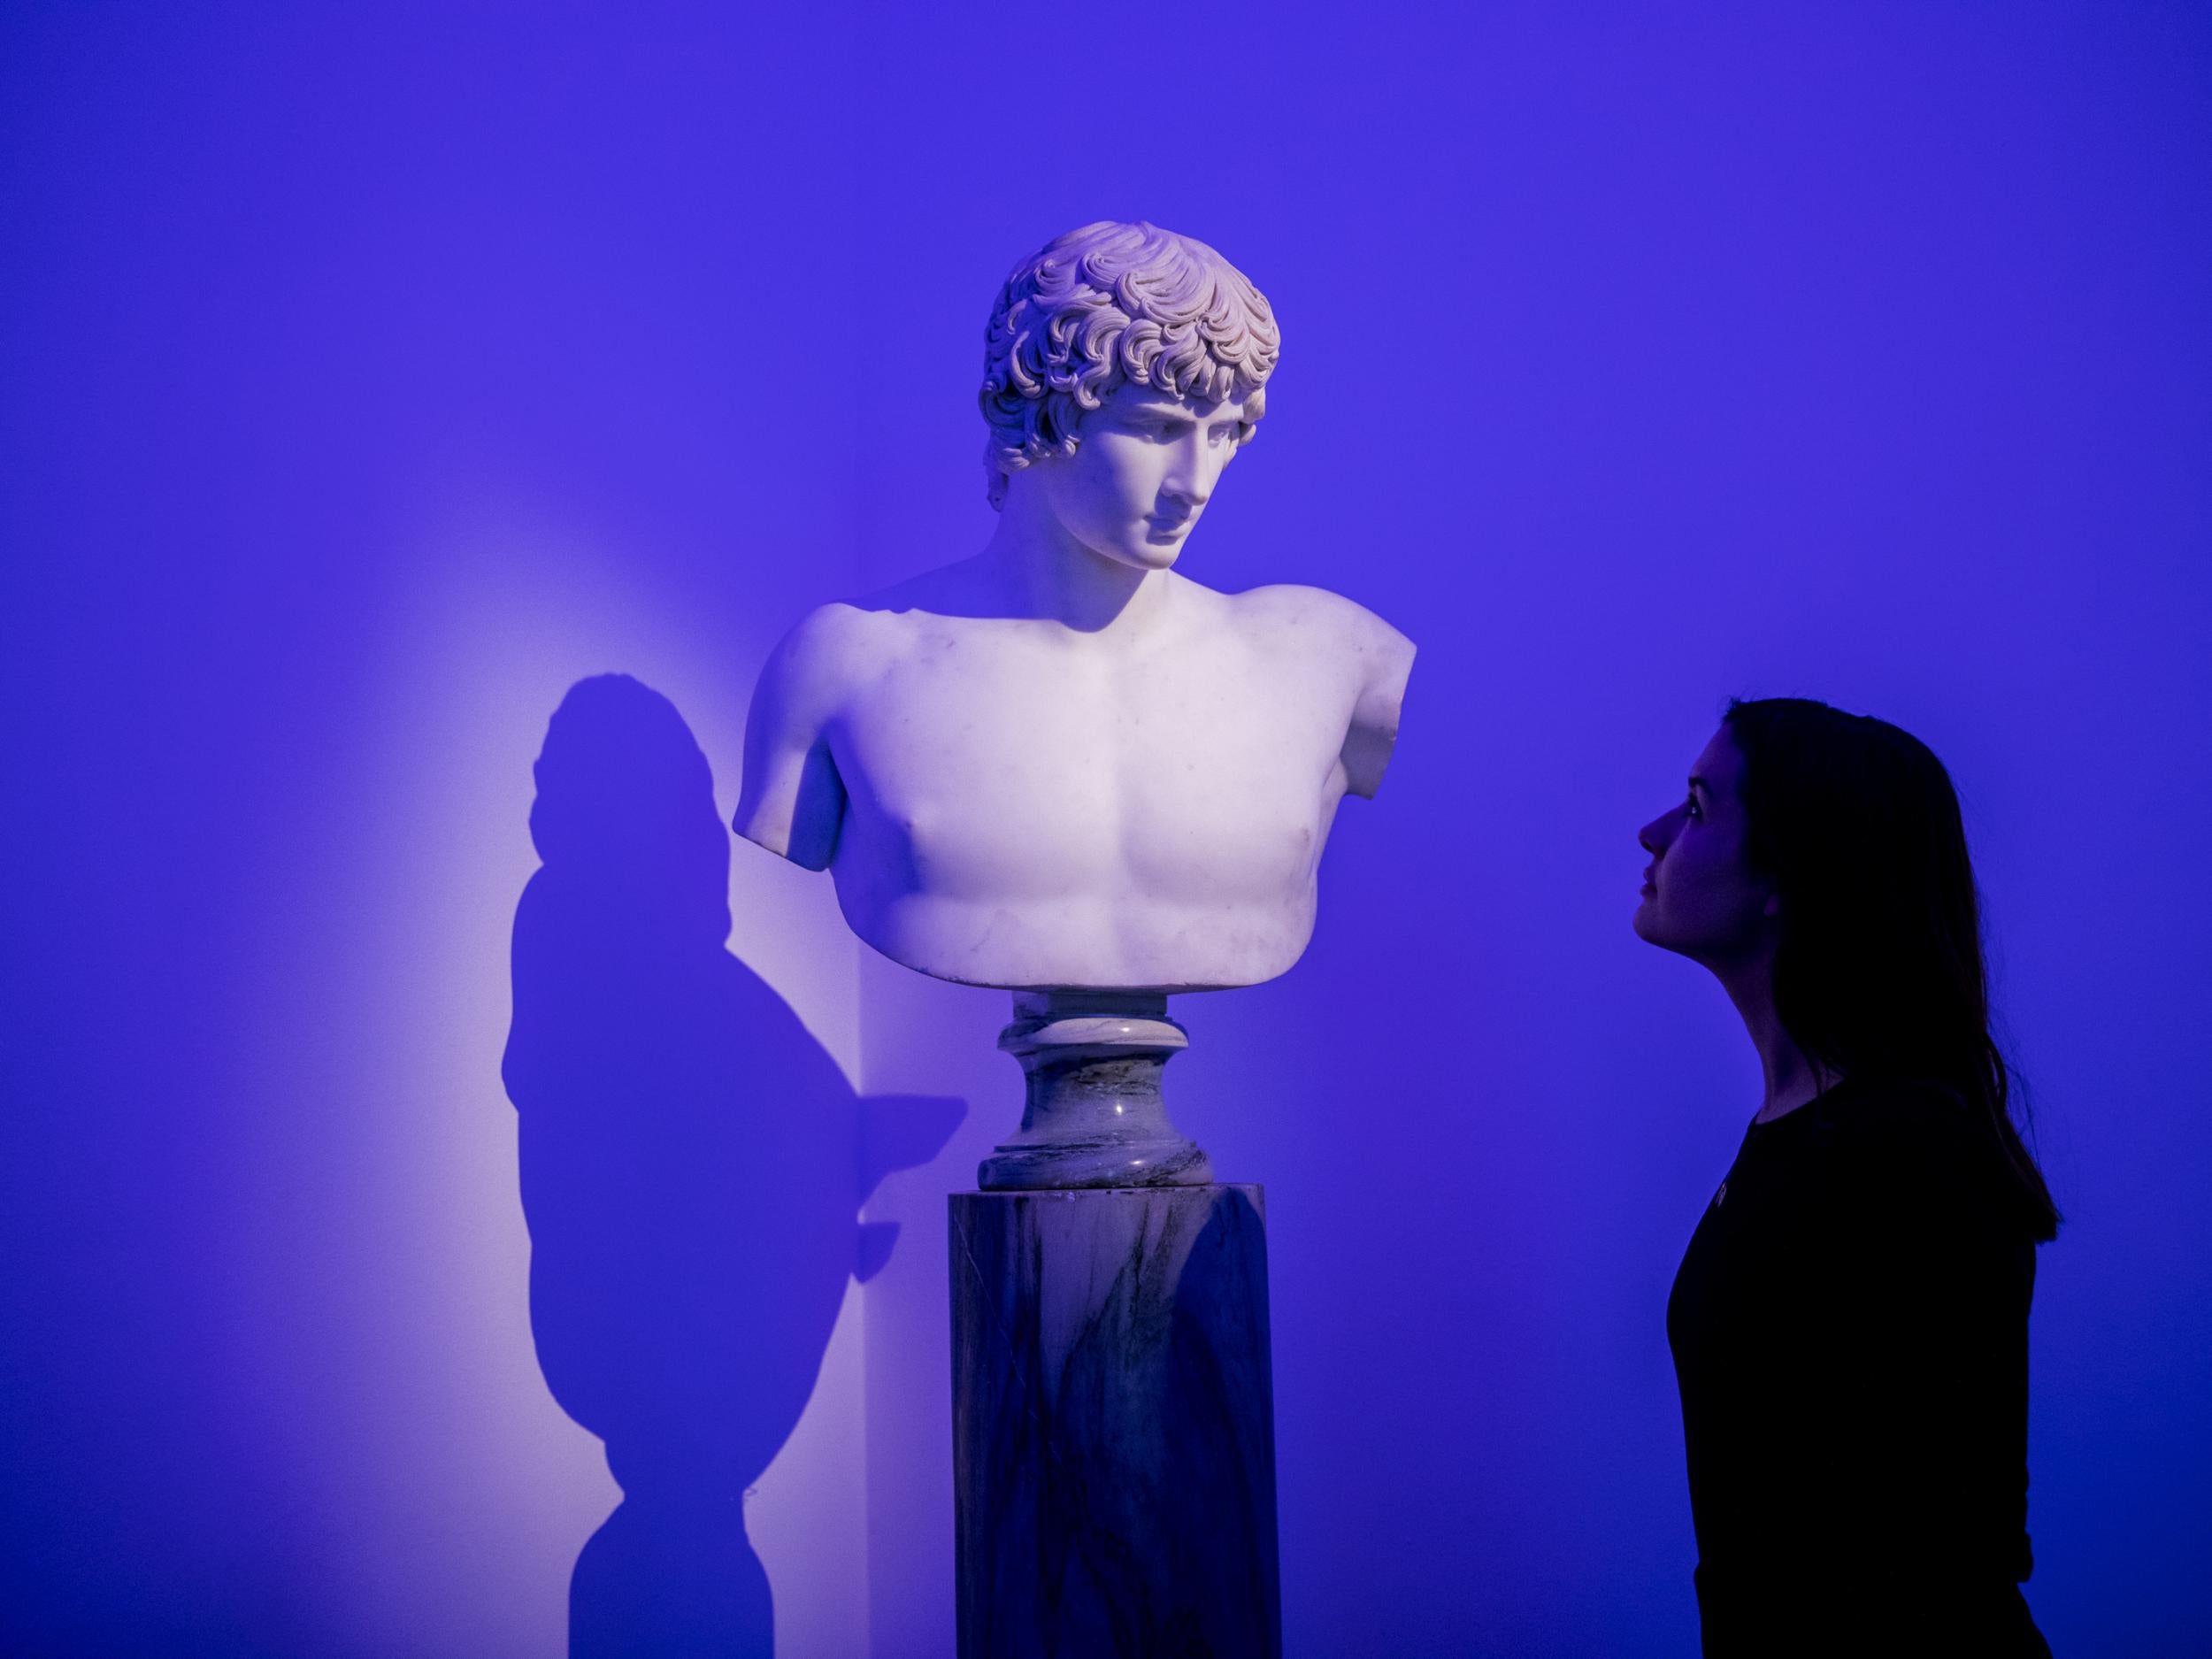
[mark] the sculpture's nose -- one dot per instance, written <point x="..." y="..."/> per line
<point x="1190" y="479"/>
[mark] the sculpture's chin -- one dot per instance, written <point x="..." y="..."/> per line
<point x="1147" y="555"/>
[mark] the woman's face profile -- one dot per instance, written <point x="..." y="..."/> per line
<point x="1699" y="897"/>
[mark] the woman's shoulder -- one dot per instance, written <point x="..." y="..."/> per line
<point x="1908" y="1137"/>
<point x="1897" y="1109"/>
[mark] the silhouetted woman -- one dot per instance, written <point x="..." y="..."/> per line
<point x="1850" y="1322"/>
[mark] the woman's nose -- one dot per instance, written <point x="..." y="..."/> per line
<point x="1649" y="838"/>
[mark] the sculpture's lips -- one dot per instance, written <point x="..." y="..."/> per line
<point x="1167" y="527"/>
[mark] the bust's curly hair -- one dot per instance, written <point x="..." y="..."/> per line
<point x="1103" y="305"/>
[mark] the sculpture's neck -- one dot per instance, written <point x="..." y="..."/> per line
<point x="1041" y="571"/>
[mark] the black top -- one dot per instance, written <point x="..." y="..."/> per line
<point x="1850" y="1333"/>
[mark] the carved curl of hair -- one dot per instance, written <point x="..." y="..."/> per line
<point x="1104" y="305"/>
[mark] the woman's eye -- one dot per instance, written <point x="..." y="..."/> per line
<point x="1693" y="813"/>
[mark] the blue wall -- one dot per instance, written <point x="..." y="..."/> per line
<point x="368" y="379"/>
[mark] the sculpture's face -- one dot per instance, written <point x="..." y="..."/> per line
<point x="1144" y="465"/>
<point x="1700" y="897"/>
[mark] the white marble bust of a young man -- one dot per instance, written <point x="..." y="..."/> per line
<point x="1060" y="765"/>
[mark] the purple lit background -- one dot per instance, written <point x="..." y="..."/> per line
<point x="369" y="377"/>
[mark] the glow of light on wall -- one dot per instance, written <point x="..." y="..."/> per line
<point x="505" y="618"/>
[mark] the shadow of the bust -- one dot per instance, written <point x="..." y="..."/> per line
<point x="692" y="1166"/>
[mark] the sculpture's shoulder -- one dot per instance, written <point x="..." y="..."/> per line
<point x="834" y="649"/>
<point x="1373" y="658"/>
<point x="1293" y="617"/>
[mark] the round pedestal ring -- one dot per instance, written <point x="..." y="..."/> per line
<point x="1094" y="1115"/>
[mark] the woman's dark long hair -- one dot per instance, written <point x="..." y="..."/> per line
<point x="1878" y="972"/>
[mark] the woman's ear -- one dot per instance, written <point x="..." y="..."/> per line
<point x="1773" y="906"/>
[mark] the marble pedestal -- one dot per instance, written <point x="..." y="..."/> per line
<point x="1113" y="1424"/>
<point x="1093" y="1115"/>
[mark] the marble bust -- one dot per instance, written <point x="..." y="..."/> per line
<point x="1060" y="765"/>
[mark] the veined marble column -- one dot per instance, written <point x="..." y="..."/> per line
<point x="1114" y="1425"/>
